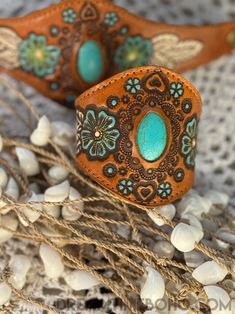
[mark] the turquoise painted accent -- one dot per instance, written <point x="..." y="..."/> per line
<point x="90" y="63"/>
<point x="35" y="55"/>
<point x="99" y="147"/>
<point x="151" y="136"/>
<point x="54" y="86"/>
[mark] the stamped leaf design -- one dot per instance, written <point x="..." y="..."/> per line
<point x="169" y="50"/>
<point x="9" y="43"/>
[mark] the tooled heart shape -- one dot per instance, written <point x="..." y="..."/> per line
<point x="145" y="191"/>
<point x="88" y="12"/>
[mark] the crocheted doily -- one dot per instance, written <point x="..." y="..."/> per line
<point x="216" y="155"/>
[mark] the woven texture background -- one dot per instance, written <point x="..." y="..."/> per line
<point x="216" y="157"/>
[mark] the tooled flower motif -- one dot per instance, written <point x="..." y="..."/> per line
<point x="111" y="18"/>
<point x="37" y="57"/>
<point x="69" y="15"/>
<point x="136" y="51"/>
<point x="189" y="142"/>
<point x="125" y="186"/>
<point x="99" y="135"/>
<point x="176" y="89"/>
<point x="133" y="85"/>
<point x="164" y="190"/>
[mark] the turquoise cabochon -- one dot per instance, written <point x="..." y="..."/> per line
<point x="151" y="136"/>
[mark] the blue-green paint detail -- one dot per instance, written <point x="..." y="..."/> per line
<point x="164" y="190"/>
<point x="69" y="15"/>
<point x="151" y="137"/>
<point x="36" y="56"/>
<point x="124" y="30"/>
<point x="111" y="18"/>
<point x="90" y="62"/>
<point x="176" y="90"/>
<point x="189" y="141"/>
<point x="70" y="99"/>
<point x="125" y="186"/>
<point x="54" y="86"/>
<point x="110" y="170"/>
<point x="54" y="30"/>
<point x="136" y="51"/>
<point x="133" y="85"/>
<point x="99" y="146"/>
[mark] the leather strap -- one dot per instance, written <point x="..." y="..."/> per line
<point x="137" y="135"/>
<point x="70" y="46"/>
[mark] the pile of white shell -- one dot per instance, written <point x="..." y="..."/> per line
<point x="187" y="225"/>
<point x="59" y="191"/>
<point x="193" y="223"/>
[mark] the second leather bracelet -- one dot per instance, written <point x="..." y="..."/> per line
<point x="68" y="47"/>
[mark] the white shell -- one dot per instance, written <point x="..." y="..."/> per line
<point x="3" y="178"/>
<point x="57" y="193"/>
<point x="12" y="189"/>
<point x="225" y="235"/>
<point x="164" y="249"/>
<point x="218" y="299"/>
<point x="80" y="280"/>
<point x="31" y="214"/>
<point x="42" y="133"/>
<point x="27" y="160"/>
<point x="209" y="273"/>
<point x="9" y="222"/>
<point x="69" y="212"/>
<point x="54" y="235"/>
<point x="198" y="233"/>
<point x="153" y="288"/>
<point x="217" y="198"/>
<point x="52" y="261"/>
<point x="62" y="133"/>
<point x="19" y="265"/>
<point x="167" y="211"/>
<point x="192" y="220"/>
<point x="196" y="224"/>
<point x="194" y="258"/>
<point x="53" y="210"/>
<point x="194" y="204"/>
<point x="182" y="232"/>
<point x="5" y="293"/>
<point x="58" y="174"/>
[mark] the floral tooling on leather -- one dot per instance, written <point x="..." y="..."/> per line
<point x="151" y="123"/>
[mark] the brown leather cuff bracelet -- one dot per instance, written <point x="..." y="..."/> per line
<point x="69" y="47"/>
<point x="137" y="134"/>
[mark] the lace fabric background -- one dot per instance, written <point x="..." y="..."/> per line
<point x="216" y="152"/>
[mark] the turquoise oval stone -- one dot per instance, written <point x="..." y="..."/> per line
<point x="151" y="136"/>
<point x="90" y="63"/>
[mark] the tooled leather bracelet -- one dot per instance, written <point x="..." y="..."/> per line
<point x="137" y="135"/>
<point x="70" y="46"/>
